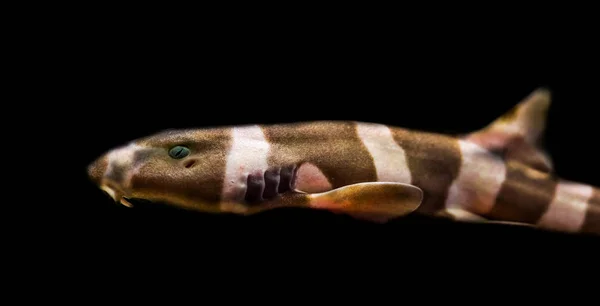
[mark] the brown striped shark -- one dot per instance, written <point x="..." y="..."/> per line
<point x="499" y="173"/>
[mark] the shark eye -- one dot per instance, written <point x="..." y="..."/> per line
<point x="179" y="152"/>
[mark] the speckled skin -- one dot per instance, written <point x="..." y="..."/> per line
<point x="481" y="176"/>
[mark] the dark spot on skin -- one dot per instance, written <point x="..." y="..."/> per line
<point x="190" y="163"/>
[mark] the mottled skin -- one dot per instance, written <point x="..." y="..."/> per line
<point x="248" y="169"/>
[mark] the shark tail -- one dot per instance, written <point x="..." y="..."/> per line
<point x="574" y="207"/>
<point x="534" y="194"/>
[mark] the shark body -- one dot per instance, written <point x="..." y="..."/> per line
<point x="368" y="170"/>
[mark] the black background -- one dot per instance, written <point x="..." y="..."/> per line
<point x="122" y="82"/>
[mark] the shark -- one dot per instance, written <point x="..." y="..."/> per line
<point x="499" y="173"/>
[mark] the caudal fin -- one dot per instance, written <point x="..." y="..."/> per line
<point x="518" y="134"/>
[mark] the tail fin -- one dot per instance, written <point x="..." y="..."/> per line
<point x="518" y="134"/>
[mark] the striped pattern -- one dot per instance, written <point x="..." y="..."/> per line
<point x="459" y="178"/>
<point x="389" y="159"/>
<point x="354" y="152"/>
<point x="434" y="162"/>
<point x="536" y="197"/>
<point x="333" y="147"/>
<point x="595" y="200"/>
<point x="567" y="211"/>
<point x="525" y="195"/>
<point x="591" y="224"/>
<point x="247" y="155"/>
<point x="479" y="181"/>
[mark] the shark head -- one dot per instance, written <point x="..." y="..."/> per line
<point x="181" y="167"/>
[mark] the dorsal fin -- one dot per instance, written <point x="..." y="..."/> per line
<point x="518" y="134"/>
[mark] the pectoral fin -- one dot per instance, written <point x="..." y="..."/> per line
<point x="376" y="201"/>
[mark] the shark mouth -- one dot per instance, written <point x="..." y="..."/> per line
<point x="119" y="197"/>
<point x="269" y="184"/>
<point x="116" y="195"/>
<point x="138" y="201"/>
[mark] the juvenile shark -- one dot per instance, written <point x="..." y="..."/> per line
<point x="370" y="171"/>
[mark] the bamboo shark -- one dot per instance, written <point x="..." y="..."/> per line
<point x="370" y="171"/>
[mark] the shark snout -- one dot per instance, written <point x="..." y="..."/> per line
<point x="112" y="172"/>
<point x="101" y="172"/>
<point x="110" y="178"/>
<point x="97" y="169"/>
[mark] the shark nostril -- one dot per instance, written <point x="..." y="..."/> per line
<point x="190" y="163"/>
